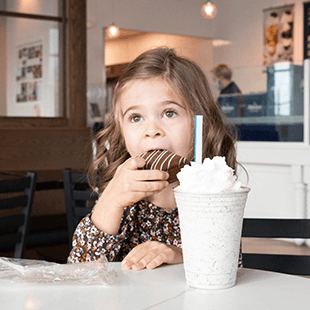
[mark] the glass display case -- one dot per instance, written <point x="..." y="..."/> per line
<point x="276" y="114"/>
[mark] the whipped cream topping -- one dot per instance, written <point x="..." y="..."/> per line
<point x="212" y="176"/>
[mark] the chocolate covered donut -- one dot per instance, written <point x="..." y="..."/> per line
<point x="164" y="160"/>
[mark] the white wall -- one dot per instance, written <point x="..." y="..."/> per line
<point x="126" y="50"/>
<point x="173" y="17"/>
<point x="279" y="177"/>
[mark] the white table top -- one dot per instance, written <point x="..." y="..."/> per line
<point x="162" y="288"/>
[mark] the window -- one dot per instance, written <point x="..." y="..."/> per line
<point x="64" y="23"/>
<point x="33" y="52"/>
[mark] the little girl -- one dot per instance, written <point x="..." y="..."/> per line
<point x="135" y="220"/>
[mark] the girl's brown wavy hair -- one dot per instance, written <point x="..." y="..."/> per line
<point x="190" y="83"/>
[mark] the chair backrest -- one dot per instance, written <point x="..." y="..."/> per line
<point x="14" y="224"/>
<point x="277" y="228"/>
<point x="77" y="196"/>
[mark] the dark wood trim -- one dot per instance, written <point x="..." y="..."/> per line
<point x="32" y="122"/>
<point x="115" y="71"/>
<point x="77" y="63"/>
<point x="31" y="16"/>
<point x="64" y="61"/>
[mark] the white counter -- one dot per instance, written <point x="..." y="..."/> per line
<point x="162" y="288"/>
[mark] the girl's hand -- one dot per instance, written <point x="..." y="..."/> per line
<point x="130" y="185"/>
<point x="152" y="254"/>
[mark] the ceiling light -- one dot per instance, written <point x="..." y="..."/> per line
<point x="113" y="31"/>
<point x="208" y="10"/>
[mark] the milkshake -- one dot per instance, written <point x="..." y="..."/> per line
<point x="211" y="205"/>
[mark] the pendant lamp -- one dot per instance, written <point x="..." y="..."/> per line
<point x="208" y="10"/>
<point x="113" y="30"/>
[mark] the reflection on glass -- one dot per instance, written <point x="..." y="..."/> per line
<point x="274" y="114"/>
<point x="30" y="68"/>
<point x="288" y="99"/>
<point x="39" y="7"/>
<point x="282" y="102"/>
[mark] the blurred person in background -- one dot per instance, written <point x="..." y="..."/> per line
<point x="222" y="79"/>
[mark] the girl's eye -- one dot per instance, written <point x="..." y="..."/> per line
<point x="135" y="118"/>
<point x="169" y="113"/>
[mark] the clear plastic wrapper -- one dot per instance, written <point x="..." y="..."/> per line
<point x="16" y="270"/>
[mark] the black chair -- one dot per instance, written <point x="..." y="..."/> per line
<point x="277" y="228"/>
<point x="14" y="224"/>
<point x="77" y="198"/>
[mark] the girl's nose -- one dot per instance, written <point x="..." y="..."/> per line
<point x="153" y="129"/>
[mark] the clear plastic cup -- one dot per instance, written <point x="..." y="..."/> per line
<point x="211" y="227"/>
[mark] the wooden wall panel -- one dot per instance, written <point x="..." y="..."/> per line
<point x="32" y="122"/>
<point x="44" y="149"/>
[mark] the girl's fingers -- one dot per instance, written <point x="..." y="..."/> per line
<point x="157" y="261"/>
<point x="146" y="255"/>
<point x="134" y="163"/>
<point x="130" y="185"/>
<point x="138" y="162"/>
<point x="149" y="186"/>
<point x="151" y="175"/>
<point x="136" y="254"/>
<point x="151" y="260"/>
<point x="152" y="254"/>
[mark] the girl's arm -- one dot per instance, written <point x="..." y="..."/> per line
<point x="128" y="186"/>
<point x="89" y="243"/>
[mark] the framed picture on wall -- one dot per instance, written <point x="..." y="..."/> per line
<point x="29" y="72"/>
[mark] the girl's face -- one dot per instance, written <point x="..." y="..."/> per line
<point x="153" y="116"/>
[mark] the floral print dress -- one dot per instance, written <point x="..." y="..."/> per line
<point x="141" y="222"/>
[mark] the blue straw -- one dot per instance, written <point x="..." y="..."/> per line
<point x="198" y="139"/>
